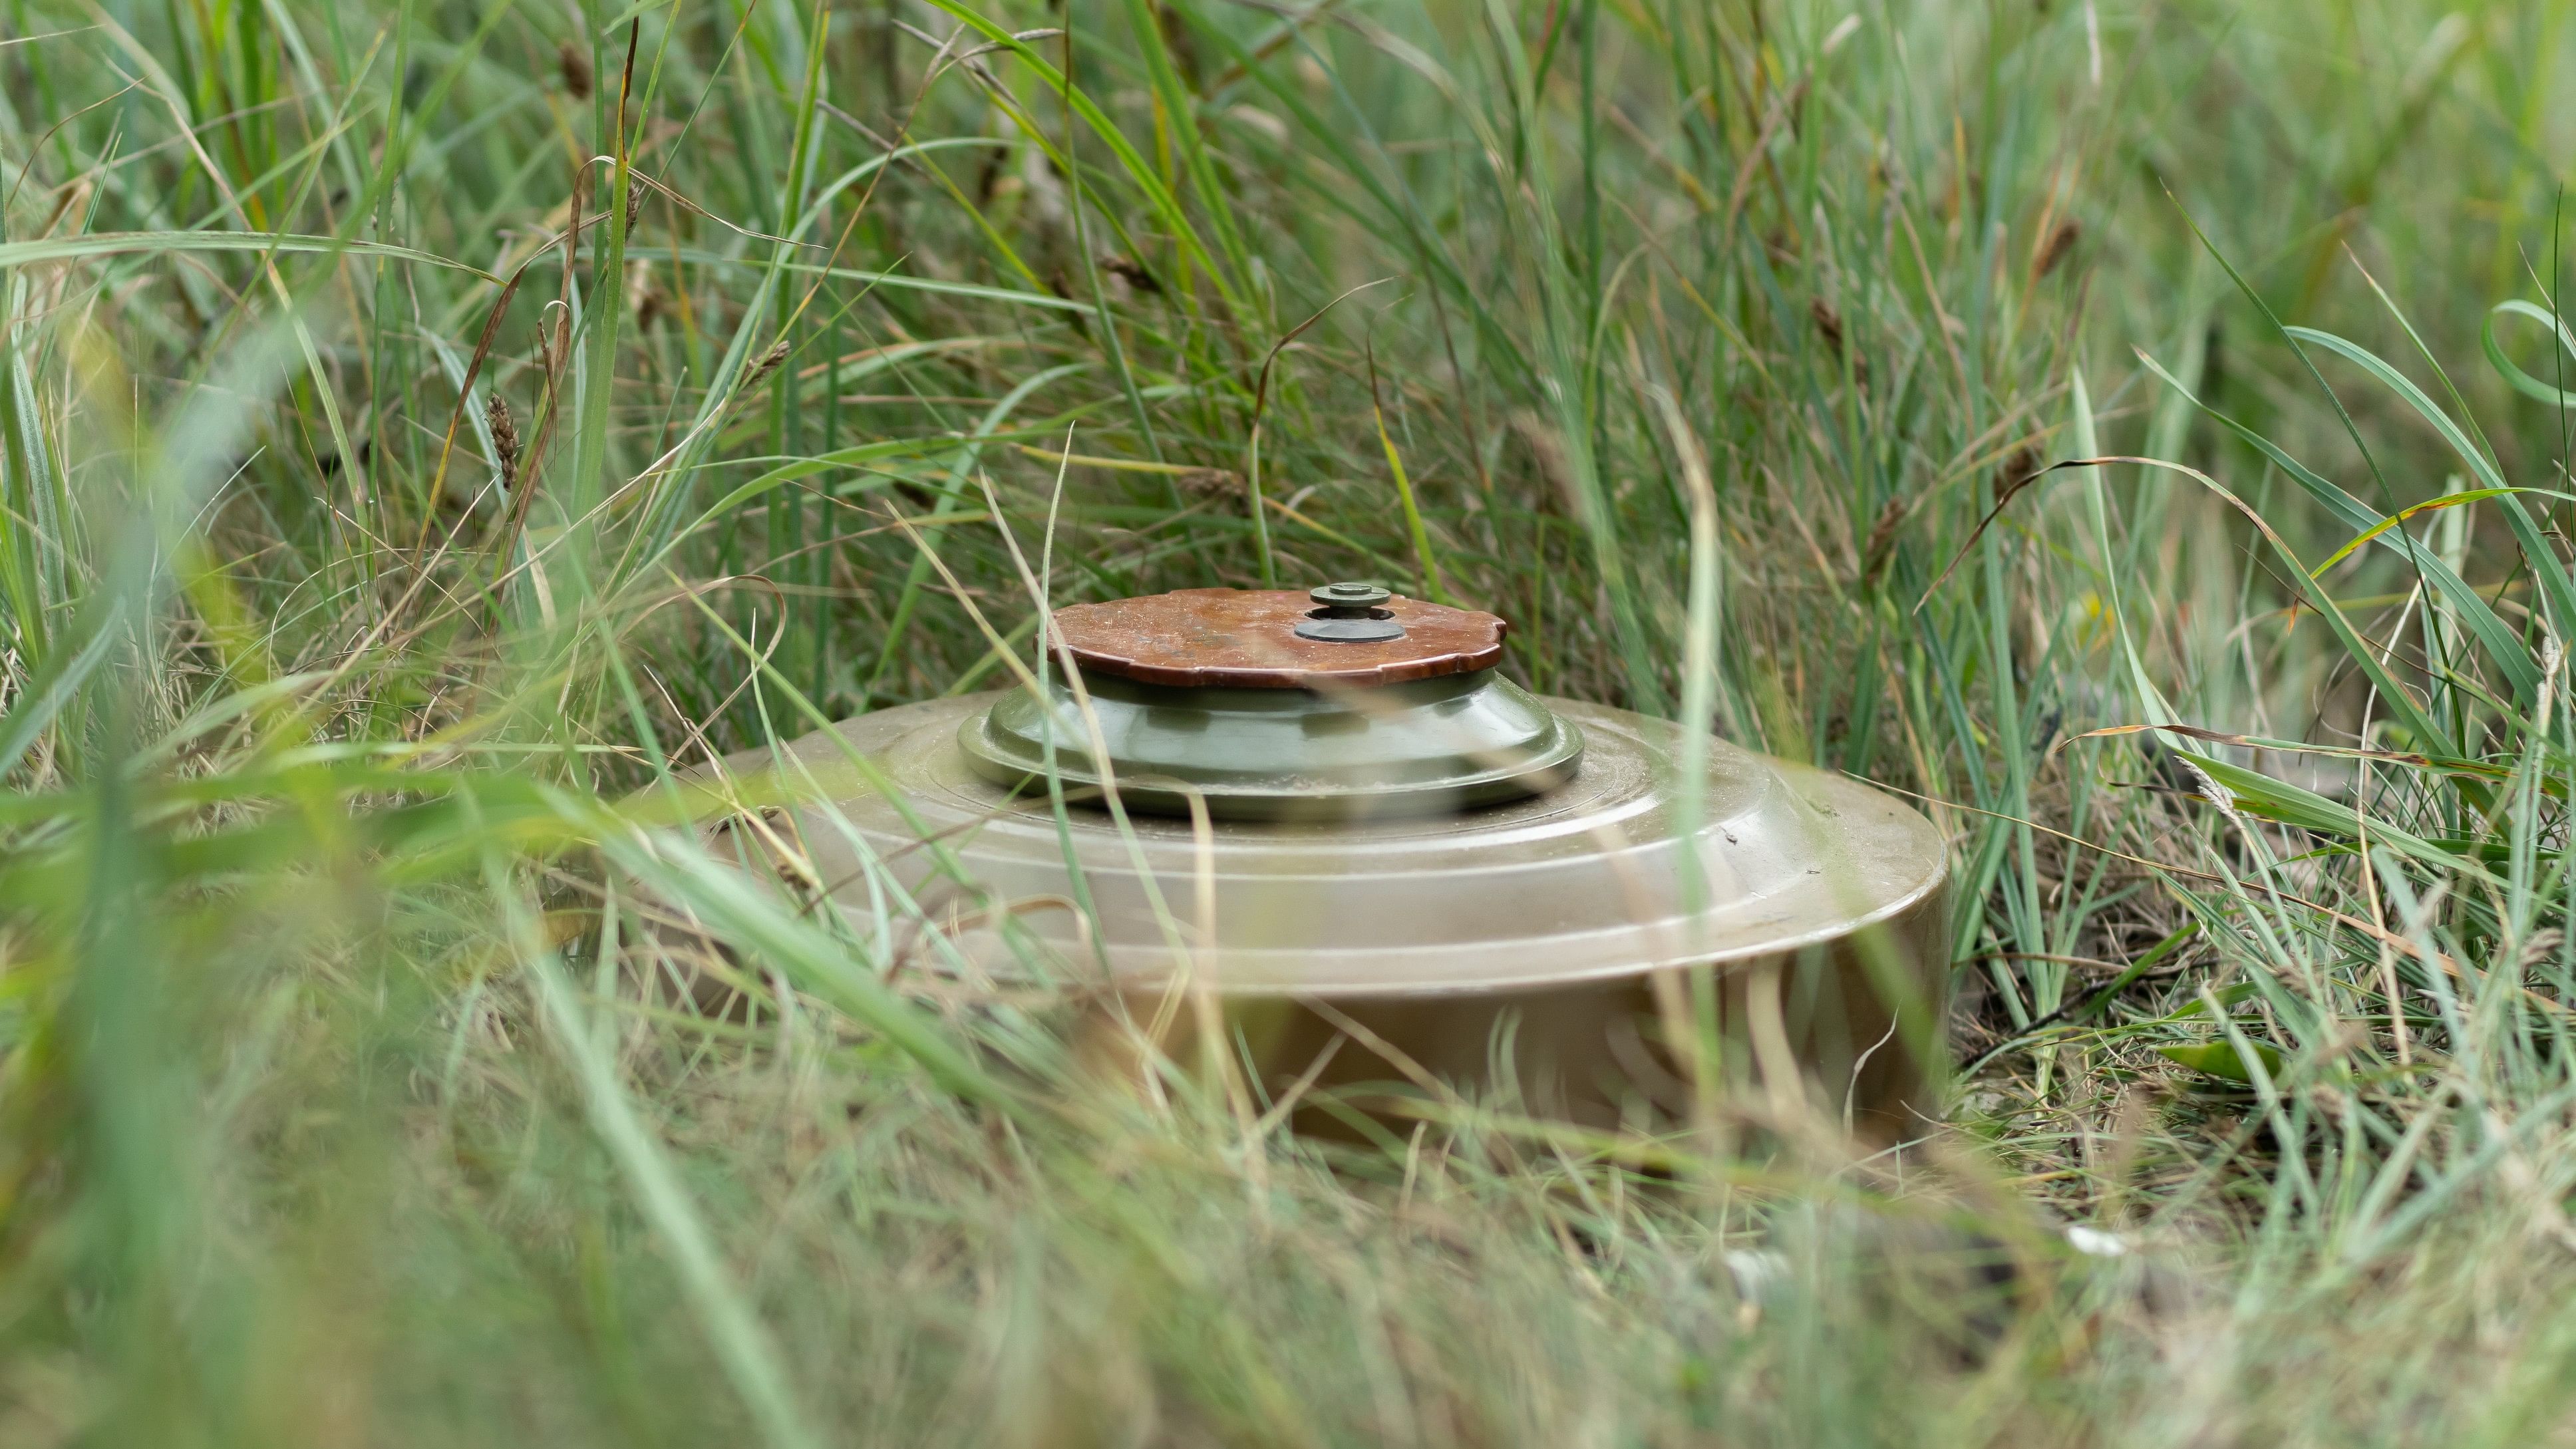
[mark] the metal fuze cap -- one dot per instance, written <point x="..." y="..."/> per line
<point x="1344" y="704"/>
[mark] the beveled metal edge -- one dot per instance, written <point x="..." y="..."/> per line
<point x="1904" y="913"/>
<point x="1928" y="896"/>
<point x="1552" y="766"/>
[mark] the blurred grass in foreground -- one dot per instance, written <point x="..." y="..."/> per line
<point x="426" y="427"/>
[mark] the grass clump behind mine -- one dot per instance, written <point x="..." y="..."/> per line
<point x="426" y="429"/>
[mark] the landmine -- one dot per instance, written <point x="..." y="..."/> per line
<point x="1397" y="872"/>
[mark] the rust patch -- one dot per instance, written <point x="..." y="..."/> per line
<point x="1246" y="639"/>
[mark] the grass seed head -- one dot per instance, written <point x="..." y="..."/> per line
<point x="572" y="64"/>
<point x="505" y="438"/>
<point x="2061" y="240"/>
<point x="769" y="362"/>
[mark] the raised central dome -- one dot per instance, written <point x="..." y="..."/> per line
<point x="1215" y="696"/>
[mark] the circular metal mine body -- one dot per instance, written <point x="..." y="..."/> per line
<point x="1542" y="898"/>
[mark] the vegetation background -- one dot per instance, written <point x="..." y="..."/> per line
<point x="429" y="423"/>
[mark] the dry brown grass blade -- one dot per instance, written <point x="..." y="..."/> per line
<point x="2252" y="742"/>
<point x="2011" y="491"/>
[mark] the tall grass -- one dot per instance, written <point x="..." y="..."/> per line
<point x="429" y="429"/>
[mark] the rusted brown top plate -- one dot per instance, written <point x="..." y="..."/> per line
<point x="1247" y="639"/>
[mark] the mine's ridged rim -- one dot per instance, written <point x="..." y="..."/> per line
<point x="992" y="758"/>
<point x="1581" y="884"/>
<point x="1399" y="785"/>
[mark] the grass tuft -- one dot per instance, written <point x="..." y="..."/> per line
<point x="429" y="434"/>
